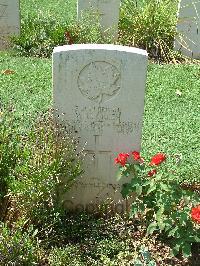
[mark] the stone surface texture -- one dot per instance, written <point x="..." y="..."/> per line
<point x="188" y="41"/>
<point x="99" y="90"/>
<point x="108" y="10"/>
<point x="9" y="21"/>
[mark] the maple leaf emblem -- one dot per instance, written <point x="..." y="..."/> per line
<point x="99" y="81"/>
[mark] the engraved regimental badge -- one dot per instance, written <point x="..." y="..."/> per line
<point x="99" y="81"/>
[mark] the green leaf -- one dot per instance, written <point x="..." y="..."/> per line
<point x="173" y="231"/>
<point x="126" y="189"/>
<point x="158" y="177"/>
<point x="139" y="167"/>
<point x="151" y="228"/>
<point x="183" y="218"/>
<point x="147" y="182"/>
<point x="151" y="189"/>
<point x="176" y="249"/>
<point x="159" y="218"/>
<point x="160" y="213"/>
<point x="138" y="190"/>
<point x="145" y="254"/>
<point x="186" y="249"/>
<point x="197" y="238"/>
<point x="165" y="187"/>
<point x="135" y="181"/>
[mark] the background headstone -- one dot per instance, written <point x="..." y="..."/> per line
<point x="188" y="41"/>
<point x="108" y="11"/>
<point x="9" y="21"/>
<point x="99" y="90"/>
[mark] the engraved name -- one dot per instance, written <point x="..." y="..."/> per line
<point x="95" y="119"/>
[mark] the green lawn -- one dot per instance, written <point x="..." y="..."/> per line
<point x="171" y="122"/>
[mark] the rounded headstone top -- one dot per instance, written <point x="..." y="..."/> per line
<point x="108" y="47"/>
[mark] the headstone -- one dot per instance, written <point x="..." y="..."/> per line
<point x="108" y="11"/>
<point x="9" y="21"/>
<point x="188" y="41"/>
<point x="99" y="90"/>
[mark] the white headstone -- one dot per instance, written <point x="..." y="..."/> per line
<point x="9" y="21"/>
<point x="108" y="10"/>
<point x="100" y="91"/>
<point x="188" y="41"/>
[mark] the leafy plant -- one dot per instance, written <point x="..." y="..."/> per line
<point x="160" y="201"/>
<point x="151" y="25"/>
<point x="40" y="35"/>
<point x="47" y="166"/>
<point x="69" y="255"/>
<point x="18" y="246"/>
<point x="9" y="154"/>
<point x="146" y="24"/>
<point x="35" y="168"/>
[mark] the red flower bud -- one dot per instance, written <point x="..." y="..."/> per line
<point x="122" y="158"/>
<point x="158" y="159"/>
<point x="195" y="214"/>
<point x="152" y="172"/>
<point x="68" y="37"/>
<point x="136" y="155"/>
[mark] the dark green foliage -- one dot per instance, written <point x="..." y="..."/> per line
<point x="149" y="24"/>
<point x="39" y="36"/>
<point x="9" y="154"/>
<point x="36" y="167"/>
<point x="18" y="246"/>
<point x="161" y="203"/>
<point x="47" y="167"/>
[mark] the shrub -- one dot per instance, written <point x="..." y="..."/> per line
<point x="150" y="25"/>
<point x="18" y="246"/>
<point x="160" y="201"/>
<point x="69" y="255"/>
<point x="48" y="162"/>
<point x="40" y="35"/>
<point x="35" y="169"/>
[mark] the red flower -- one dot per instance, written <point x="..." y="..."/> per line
<point x="195" y="214"/>
<point x="158" y="159"/>
<point x="152" y="172"/>
<point x="136" y="155"/>
<point x="122" y="158"/>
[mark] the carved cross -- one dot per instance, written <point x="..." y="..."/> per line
<point x="96" y="153"/>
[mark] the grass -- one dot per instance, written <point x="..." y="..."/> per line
<point x="28" y="89"/>
<point x="171" y="122"/>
